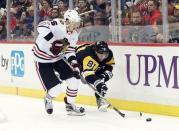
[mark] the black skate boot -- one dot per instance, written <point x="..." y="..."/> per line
<point x="73" y="110"/>
<point x="48" y="104"/>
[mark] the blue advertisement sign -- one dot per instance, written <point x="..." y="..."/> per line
<point x="17" y="63"/>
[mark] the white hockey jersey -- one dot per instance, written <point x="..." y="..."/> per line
<point x="50" y="31"/>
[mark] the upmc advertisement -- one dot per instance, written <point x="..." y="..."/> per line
<point x="153" y="64"/>
<point x="147" y="74"/>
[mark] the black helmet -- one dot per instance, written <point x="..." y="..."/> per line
<point x="101" y="47"/>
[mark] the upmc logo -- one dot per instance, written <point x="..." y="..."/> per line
<point x="17" y="63"/>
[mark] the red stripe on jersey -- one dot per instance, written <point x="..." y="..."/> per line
<point x="42" y="54"/>
<point x="38" y="73"/>
<point x="45" y="52"/>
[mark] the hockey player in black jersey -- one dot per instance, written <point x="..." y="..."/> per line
<point x="96" y="63"/>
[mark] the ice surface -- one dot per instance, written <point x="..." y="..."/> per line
<point x="28" y="114"/>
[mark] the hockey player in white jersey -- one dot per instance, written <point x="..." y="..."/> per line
<point x="56" y="39"/>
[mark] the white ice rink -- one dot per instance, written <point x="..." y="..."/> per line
<point x="28" y="114"/>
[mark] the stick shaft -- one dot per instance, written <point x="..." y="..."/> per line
<point x="87" y="12"/>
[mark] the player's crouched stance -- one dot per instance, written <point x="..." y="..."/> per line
<point x="97" y="62"/>
<point x="57" y="39"/>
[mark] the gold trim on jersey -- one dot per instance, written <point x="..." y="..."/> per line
<point x="88" y="73"/>
<point x="111" y="62"/>
<point x="81" y="47"/>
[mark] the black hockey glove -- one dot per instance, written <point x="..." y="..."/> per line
<point x="101" y="87"/>
<point x="106" y="75"/>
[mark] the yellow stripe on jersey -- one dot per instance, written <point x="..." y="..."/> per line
<point x="88" y="73"/>
<point x="81" y="47"/>
<point x="111" y="62"/>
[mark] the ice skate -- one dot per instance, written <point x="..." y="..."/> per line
<point x="73" y="110"/>
<point x="48" y="105"/>
<point x="102" y="104"/>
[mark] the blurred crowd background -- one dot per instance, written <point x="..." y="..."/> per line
<point x="146" y="21"/>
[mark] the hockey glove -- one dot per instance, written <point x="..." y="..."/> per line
<point x="106" y="75"/>
<point x="59" y="46"/>
<point x="101" y="87"/>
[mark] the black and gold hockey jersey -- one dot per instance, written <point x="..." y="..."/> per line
<point x="90" y="64"/>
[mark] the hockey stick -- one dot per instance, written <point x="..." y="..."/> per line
<point x="87" y="12"/>
<point x="136" y="114"/>
<point x="124" y="115"/>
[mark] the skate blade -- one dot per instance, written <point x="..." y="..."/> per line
<point x="75" y="114"/>
<point x="103" y="108"/>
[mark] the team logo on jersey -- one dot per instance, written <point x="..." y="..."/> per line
<point x="17" y="63"/>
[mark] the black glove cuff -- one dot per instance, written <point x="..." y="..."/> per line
<point x="76" y="74"/>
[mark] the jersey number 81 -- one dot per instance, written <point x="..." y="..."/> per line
<point x="91" y="64"/>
